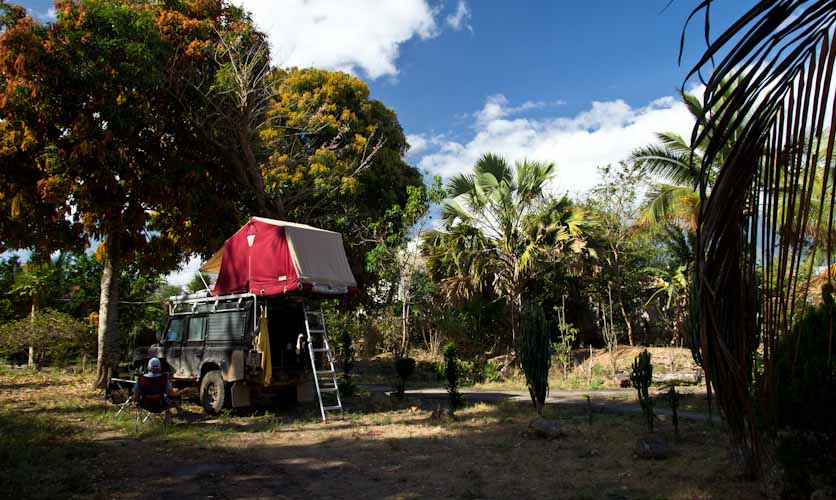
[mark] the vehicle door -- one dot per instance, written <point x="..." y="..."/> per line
<point x="193" y="346"/>
<point x="173" y="343"/>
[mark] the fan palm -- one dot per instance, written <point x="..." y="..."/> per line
<point x="501" y="230"/>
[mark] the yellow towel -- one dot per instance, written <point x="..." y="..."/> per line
<point x="264" y="348"/>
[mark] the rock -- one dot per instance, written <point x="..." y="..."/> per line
<point x="653" y="447"/>
<point x="826" y="493"/>
<point x="380" y="400"/>
<point x="622" y="379"/>
<point x="679" y="378"/>
<point x="442" y="412"/>
<point x="545" y="428"/>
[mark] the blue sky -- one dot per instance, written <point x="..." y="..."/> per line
<point x="577" y="83"/>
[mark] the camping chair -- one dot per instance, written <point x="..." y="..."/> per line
<point x="152" y="399"/>
<point x="120" y="392"/>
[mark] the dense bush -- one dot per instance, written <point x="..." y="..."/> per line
<point x="404" y="367"/>
<point x="451" y="372"/>
<point x="55" y="337"/>
<point x="806" y="371"/>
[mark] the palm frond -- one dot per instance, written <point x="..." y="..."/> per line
<point x="670" y="164"/>
<point x="769" y="97"/>
<point x="494" y="165"/>
<point x="666" y="203"/>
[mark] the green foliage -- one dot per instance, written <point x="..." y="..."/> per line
<point x="641" y="377"/>
<point x="501" y="231"/>
<point x="346" y="350"/>
<point x="348" y="324"/>
<point x="402" y="282"/>
<point x="535" y="354"/>
<point x="56" y="337"/>
<point x="199" y="282"/>
<point x="451" y="373"/>
<point x="404" y="368"/>
<point x="563" y="347"/>
<point x="805" y="371"/>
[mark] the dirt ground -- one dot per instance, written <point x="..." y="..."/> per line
<point x="58" y="439"/>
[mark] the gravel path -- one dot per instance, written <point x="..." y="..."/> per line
<point x="608" y="401"/>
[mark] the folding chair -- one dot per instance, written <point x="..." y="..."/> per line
<point x="120" y="392"/>
<point x="152" y="399"/>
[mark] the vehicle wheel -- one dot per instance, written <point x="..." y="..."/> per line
<point x="213" y="392"/>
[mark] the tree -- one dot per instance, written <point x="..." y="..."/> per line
<point x="679" y="164"/>
<point x="199" y="282"/>
<point x="622" y="252"/>
<point x="395" y="258"/>
<point x="500" y="227"/>
<point x="106" y="144"/>
<point x="751" y="235"/>
<point x="33" y="283"/>
<point x="336" y="157"/>
<point x="55" y="336"/>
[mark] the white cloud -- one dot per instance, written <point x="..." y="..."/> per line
<point x="460" y="19"/>
<point x="339" y="35"/>
<point x="184" y="275"/>
<point x="497" y="106"/>
<point x="605" y="133"/>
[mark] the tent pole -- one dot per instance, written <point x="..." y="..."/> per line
<point x="204" y="281"/>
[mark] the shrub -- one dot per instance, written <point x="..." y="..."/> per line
<point x="641" y="377"/>
<point x="346" y="345"/>
<point x="56" y="338"/>
<point x="451" y="372"/>
<point x="535" y="354"/>
<point x="492" y="373"/>
<point x="806" y="373"/>
<point x="404" y="367"/>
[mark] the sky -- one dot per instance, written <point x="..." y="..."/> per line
<point x="580" y="84"/>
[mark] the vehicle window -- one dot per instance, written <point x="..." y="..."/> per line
<point x="175" y="330"/>
<point x="225" y="325"/>
<point x="196" y="325"/>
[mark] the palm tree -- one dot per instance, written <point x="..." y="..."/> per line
<point x="500" y="231"/>
<point x="754" y="211"/>
<point x="678" y="163"/>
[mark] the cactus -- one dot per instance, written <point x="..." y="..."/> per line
<point x="641" y="377"/>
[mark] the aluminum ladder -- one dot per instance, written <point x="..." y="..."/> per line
<point x="322" y="363"/>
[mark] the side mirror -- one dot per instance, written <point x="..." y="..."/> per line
<point x="159" y="336"/>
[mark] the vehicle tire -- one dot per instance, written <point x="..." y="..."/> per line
<point x="213" y="392"/>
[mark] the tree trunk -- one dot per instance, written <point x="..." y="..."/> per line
<point x="626" y="322"/>
<point x="108" y="312"/>
<point x="404" y="328"/>
<point x="31" y="363"/>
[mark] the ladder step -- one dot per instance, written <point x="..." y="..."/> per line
<point x="316" y="331"/>
<point x="326" y="372"/>
<point x="332" y="408"/>
<point x="323" y="349"/>
<point x="327" y="389"/>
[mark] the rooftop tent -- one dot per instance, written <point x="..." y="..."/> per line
<point x="271" y="257"/>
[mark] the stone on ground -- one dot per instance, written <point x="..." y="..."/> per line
<point x="652" y="447"/>
<point x="545" y="428"/>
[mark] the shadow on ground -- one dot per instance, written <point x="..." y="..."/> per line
<point x="384" y="449"/>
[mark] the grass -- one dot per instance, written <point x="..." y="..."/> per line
<point x="61" y="441"/>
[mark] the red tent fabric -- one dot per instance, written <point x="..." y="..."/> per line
<point x="270" y="257"/>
